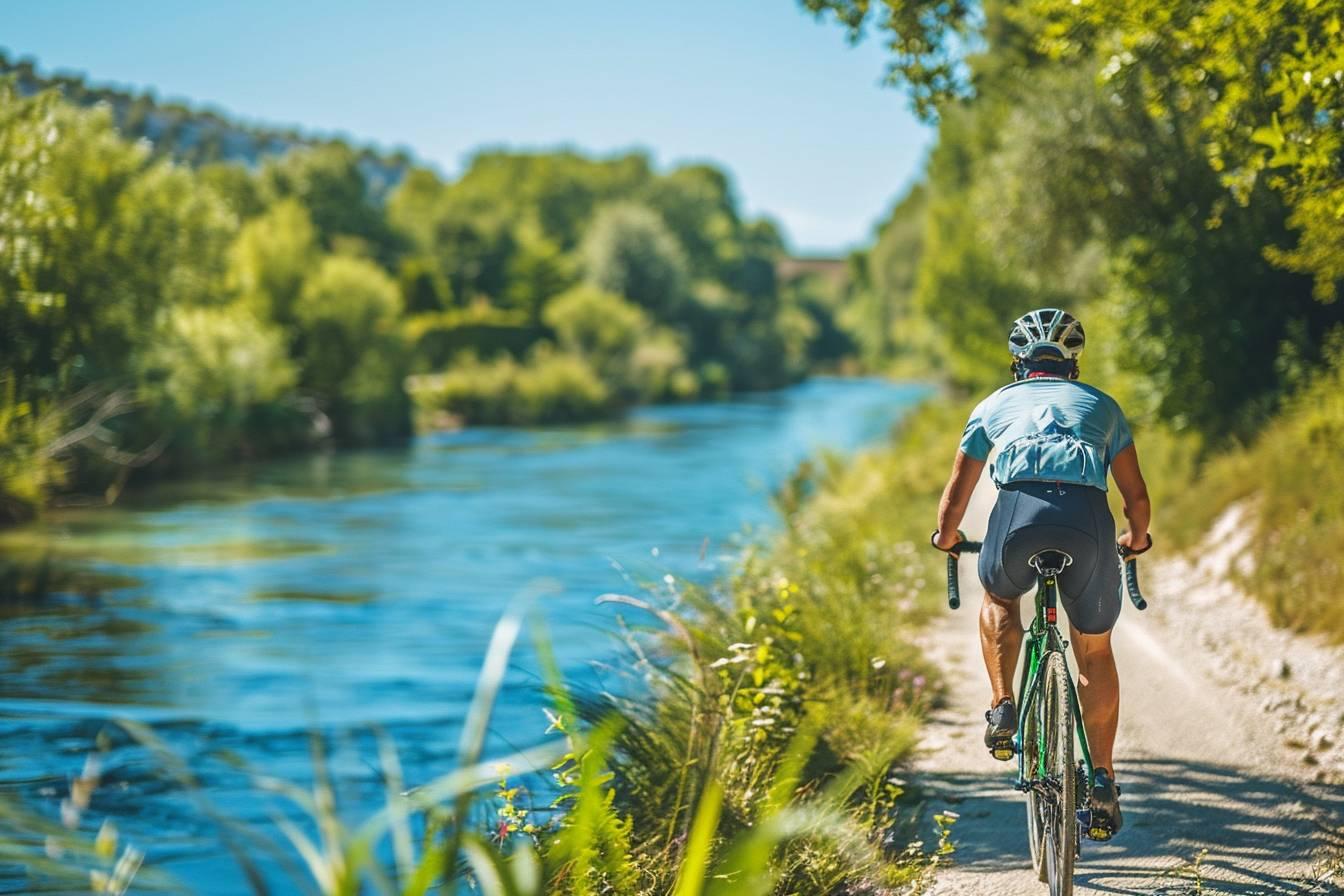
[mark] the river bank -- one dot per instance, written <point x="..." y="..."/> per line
<point x="369" y="581"/>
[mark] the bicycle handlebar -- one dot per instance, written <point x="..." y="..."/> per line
<point x="953" y="585"/>
<point x="1130" y="566"/>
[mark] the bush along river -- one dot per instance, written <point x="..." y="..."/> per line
<point x="351" y="593"/>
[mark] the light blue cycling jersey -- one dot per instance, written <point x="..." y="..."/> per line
<point x="1048" y="430"/>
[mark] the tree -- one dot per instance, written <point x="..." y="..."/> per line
<point x="1258" y="85"/>
<point x="219" y="380"/>
<point x="1263" y="82"/>
<point x="328" y="182"/>
<point x="271" y="257"/>
<point x="174" y="233"/>
<point x="926" y="38"/>
<point x="629" y="251"/>
<point x="350" y="347"/>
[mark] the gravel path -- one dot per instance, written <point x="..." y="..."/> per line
<point x="1228" y="755"/>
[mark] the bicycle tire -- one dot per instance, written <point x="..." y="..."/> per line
<point x="1061" y="834"/>
<point x="1031" y="749"/>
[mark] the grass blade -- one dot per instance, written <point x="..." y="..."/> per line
<point x="695" y="861"/>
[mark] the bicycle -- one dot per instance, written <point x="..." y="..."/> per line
<point x="1049" y="716"/>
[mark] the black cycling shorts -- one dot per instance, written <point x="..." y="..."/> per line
<point x="1036" y="516"/>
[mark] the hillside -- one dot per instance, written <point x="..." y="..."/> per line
<point x="199" y="135"/>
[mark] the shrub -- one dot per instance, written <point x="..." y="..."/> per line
<point x="638" y="360"/>
<point x="438" y="338"/>
<point x="601" y="326"/>
<point x="558" y="387"/>
<point x="550" y="387"/>
<point x="351" y="350"/>
<point x="219" y="386"/>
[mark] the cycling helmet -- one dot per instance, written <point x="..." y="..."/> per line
<point x="1046" y="333"/>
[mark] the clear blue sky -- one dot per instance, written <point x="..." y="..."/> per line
<point x="783" y="102"/>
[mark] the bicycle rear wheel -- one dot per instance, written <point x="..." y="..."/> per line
<point x="1060" y="828"/>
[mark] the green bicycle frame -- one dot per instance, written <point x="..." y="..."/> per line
<point x="1042" y="638"/>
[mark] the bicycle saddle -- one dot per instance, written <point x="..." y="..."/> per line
<point x="1050" y="562"/>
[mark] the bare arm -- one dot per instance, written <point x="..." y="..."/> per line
<point x="1138" y="510"/>
<point x="957" y="494"/>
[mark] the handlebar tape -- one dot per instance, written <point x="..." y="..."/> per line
<point x="953" y="586"/>
<point x="1131" y="568"/>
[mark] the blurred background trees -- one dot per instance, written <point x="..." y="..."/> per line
<point x="314" y="292"/>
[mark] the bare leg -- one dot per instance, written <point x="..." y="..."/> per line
<point x="1099" y="691"/>
<point x="1000" y="642"/>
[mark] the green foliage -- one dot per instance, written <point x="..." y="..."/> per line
<point x="882" y="316"/>
<point x="174" y="234"/>
<point x="351" y="351"/>
<point x="439" y="338"/>
<point x="518" y="230"/>
<point x="925" y="38"/>
<point x="27" y="472"/>
<point x="1051" y="188"/>
<point x="222" y="377"/>
<point x="270" y="258"/>
<point x="629" y="251"/>
<point x="1260" y="83"/>
<point x="638" y="359"/>
<point x="599" y="325"/>
<point x="549" y="387"/>
<point x="1256" y="89"/>
<point x="327" y="181"/>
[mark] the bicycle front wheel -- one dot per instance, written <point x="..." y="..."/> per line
<point x="1059" y="797"/>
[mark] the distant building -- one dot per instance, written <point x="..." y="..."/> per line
<point x="832" y="271"/>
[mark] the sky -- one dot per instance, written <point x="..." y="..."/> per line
<point x="796" y="114"/>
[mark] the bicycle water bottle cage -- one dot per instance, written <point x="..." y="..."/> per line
<point x="1050" y="563"/>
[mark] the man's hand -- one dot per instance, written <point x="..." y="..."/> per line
<point x="1128" y="542"/>
<point x="945" y="541"/>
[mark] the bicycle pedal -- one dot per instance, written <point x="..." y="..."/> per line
<point x="1093" y="828"/>
<point x="1003" y="755"/>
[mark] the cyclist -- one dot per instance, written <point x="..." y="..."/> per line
<point x="1057" y="438"/>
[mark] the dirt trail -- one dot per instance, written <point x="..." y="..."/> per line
<point x="1222" y="747"/>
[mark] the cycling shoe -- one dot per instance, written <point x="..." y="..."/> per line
<point x="1002" y="725"/>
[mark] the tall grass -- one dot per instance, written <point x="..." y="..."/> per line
<point x="794" y="685"/>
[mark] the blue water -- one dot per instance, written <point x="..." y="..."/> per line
<point x="236" y="614"/>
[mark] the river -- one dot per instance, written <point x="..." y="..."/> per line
<point x="237" y="613"/>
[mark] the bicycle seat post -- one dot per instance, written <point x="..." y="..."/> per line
<point x="1048" y="565"/>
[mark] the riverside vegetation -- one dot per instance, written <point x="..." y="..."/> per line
<point x="164" y="308"/>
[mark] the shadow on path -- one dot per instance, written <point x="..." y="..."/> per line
<point x="1262" y="835"/>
